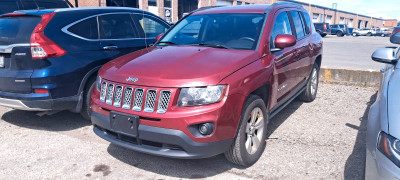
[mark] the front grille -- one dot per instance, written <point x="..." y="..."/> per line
<point x="150" y="103"/>
<point x="127" y="98"/>
<point x="103" y="91"/>
<point x="118" y="96"/>
<point x="110" y="93"/>
<point x="163" y="101"/>
<point x="138" y="101"/>
<point x="136" y="98"/>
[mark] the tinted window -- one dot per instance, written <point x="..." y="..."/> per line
<point x="341" y="26"/>
<point x="17" y="29"/>
<point x="298" y="24"/>
<point x="152" y="27"/>
<point x="8" y="6"/>
<point x="117" y="26"/>
<point x="307" y="22"/>
<point x="281" y="26"/>
<point x="215" y="30"/>
<point x="86" y="29"/>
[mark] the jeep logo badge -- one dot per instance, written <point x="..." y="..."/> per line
<point x="132" y="79"/>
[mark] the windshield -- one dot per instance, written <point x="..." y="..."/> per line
<point x="228" y="30"/>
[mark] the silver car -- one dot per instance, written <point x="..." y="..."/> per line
<point x="383" y="129"/>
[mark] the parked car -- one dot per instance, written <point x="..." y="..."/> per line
<point x="383" y="135"/>
<point x="364" y="32"/>
<point x="49" y="58"/>
<point x="7" y="6"/>
<point x="339" y="29"/>
<point x="322" y="28"/>
<point x="382" y="32"/>
<point x="209" y="86"/>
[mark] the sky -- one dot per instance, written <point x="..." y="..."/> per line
<point x="387" y="9"/>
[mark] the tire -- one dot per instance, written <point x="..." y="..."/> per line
<point x="354" y="34"/>
<point x="382" y="35"/>
<point x="323" y="35"/>
<point x="339" y="34"/>
<point x="369" y="34"/>
<point x="309" y="94"/>
<point x="244" y="150"/>
<point x="86" y="108"/>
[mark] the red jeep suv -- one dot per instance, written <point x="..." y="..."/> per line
<point x="210" y="84"/>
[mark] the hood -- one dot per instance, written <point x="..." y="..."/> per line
<point x="177" y="66"/>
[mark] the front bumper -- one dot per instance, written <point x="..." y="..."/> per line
<point x="159" y="141"/>
<point x="380" y="167"/>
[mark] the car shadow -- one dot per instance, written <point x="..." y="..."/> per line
<point x="61" y="121"/>
<point x="355" y="163"/>
<point x="191" y="168"/>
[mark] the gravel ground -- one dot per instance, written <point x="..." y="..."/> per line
<point x="324" y="139"/>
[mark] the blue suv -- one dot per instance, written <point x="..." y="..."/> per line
<point x="49" y="58"/>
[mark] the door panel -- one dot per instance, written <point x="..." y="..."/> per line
<point x="119" y="35"/>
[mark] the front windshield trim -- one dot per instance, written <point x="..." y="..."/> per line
<point x="256" y="44"/>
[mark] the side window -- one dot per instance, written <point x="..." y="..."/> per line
<point x="86" y="29"/>
<point x="298" y="24"/>
<point x="307" y="22"/>
<point x="117" y="26"/>
<point x="281" y="26"/>
<point x="341" y="26"/>
<point x="151" y="26"/>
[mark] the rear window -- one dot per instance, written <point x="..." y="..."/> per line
<point x="8" y="6"/>
<point x="17" y="29"/>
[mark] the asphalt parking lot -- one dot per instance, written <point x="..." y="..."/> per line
<point x="323" y="139"/>
<point x="352" y="52"/>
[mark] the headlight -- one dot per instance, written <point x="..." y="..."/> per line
<point x="201" y="95"/>
<point x="390" y="147"/>
<point x="98" y="83"/>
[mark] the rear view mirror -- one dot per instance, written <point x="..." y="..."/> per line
<point x="395" y="37"/>
<point x="386" y="55"/>
<point x="159" y="36"/>
<point x="283" y="41"/>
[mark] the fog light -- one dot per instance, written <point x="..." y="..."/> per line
<point x="206" y="128"/>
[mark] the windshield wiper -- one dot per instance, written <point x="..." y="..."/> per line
<point x="212" y="45"/>
<point x="168" y="42"/>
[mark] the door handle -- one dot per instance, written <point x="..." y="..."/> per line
<point x="110" y="47"/>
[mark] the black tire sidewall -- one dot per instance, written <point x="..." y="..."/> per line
<point x="86" y="109"/>
<point x="250" y="159"/>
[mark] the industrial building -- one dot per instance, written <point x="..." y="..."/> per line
<point x="172" y="10"/>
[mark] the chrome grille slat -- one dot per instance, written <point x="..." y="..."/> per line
<point x="118" y="95"/>
<point x="110" y="93"/>
<point x="150" y="102"/>
<point x="163" y="101"/>
<point x="126" y="104"/>
<point x="138" y="100"/>
<point x="103" y="91"/>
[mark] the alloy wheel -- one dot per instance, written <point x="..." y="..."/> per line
<point x="254" y="130"/>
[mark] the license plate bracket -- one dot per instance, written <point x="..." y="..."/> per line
<point x="124" y="123"/>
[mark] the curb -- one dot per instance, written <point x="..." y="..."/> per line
<point x="350" y="76"/>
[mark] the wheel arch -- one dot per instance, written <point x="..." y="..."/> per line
<point x="90" y="74"/>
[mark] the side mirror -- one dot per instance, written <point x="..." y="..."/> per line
<point x="283" y="41"/>
<point x="159" y="36"/>
<point x="385" y="55"/>
<point x="395" y="37"/>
